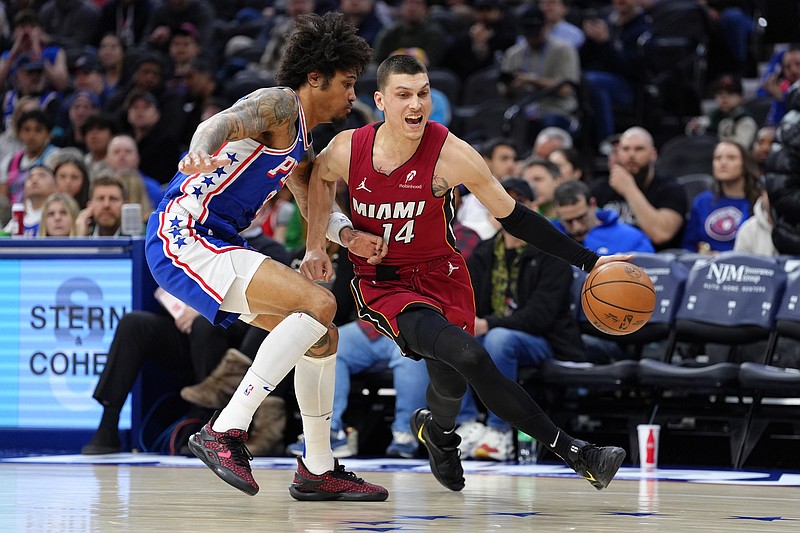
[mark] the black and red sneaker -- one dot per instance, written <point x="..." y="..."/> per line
<point x="226" y="455"/>
<point x="336" y="484"/>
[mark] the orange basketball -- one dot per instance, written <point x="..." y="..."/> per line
<point x="618" y="298"/>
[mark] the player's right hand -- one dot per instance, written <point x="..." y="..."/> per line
<point x="197" y="161"/>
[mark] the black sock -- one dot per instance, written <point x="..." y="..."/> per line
<point x="110" y="419"/>
<point x="563" y="441"/>
<point x="441" y="436"/>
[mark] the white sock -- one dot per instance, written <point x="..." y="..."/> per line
<point x="276" y="356"/>
<point x="314" y="383"/>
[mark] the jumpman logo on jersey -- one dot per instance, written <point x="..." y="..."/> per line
<point x="450" y="268"/>
<point x="363" y="186"/>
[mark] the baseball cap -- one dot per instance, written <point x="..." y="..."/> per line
<point x="519" y="186"/>
<point x="729" y="84"/>
<point x="87" y="63"/>
<point x="89" y="95"/>
<point x="187" y="28"/>
<point x="531" y="21"/>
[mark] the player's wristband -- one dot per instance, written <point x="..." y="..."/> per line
<point x="534" y="229"/>
<point x="336" y="223"/>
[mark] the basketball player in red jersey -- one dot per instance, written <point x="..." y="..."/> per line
<point x="401" y="176"/>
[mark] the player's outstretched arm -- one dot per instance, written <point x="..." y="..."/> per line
<point x="515" y="218"/>
<point x="259" y="112"/>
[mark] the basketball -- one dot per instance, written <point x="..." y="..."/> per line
<point x="618" y="298"/>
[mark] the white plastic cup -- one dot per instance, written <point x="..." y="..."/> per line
<point x="648" y="445"/>
<point x="131" y="220"/>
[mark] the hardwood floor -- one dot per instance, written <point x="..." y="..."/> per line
<point x="180" y="496"/>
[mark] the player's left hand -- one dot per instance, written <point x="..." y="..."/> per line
<point x="610" y="258"/>
<point x="317" y="266"/>
<point x="365" y="244"/>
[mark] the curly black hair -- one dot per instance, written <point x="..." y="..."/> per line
<point x="326" y="44"/>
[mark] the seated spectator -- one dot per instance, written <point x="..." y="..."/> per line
<point x="97" y="131"/>
<point x="550" y="139"/>
<point x="201" y="89"/>
<point x="531" y="69"/>
<point x="39" y="184"/>
<point x="9" y="139"/>
<point x="523" y="317"/>
<point x="612" y="62"/>
<point x="159" y="149"/>
<point x="111" y="55"/>
<point x="72" y="179"/>
<point x="70" y="22"/>
<point x="184" y="48"/>
<point x="79" y="107"/>
<point x="166" y="16"/>
<point x="87" y="75"/>
<point x="363" y="349"/>
<point x="103" y="215"/>
<point x="653" y="202"/>
<point x="556" y="23"/>
<point x="755" y="233"/>
<point x="776" y="83"/>
<point x="58" y="216"/>
<point x="414" y="28"/>
<point x="31" y="42"/>
<point x="543" y="176"/>
<point x="361" y="14"/>
<point x="761" y="146"/>
<point x="122" y="155"/>
<point x="28" y="81"/>
<point x="569" y="163"/>
<point x="718" y="213"/>
<point x="148" y="76"/>
<point x="34" y="129"/>
<point x="492" y="32"/>
<point x="597" y="229"/>
<point x="729" y="121"/>
<point x="500" y="155"/>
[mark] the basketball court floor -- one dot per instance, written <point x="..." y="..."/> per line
<point x="154" y="493"/>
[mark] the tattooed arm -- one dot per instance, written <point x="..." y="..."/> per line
<point x="260" y="112"/>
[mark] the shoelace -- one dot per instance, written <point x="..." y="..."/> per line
<point x="239" y="452"/>
<point x="341" y="473"/>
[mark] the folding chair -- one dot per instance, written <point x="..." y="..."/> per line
<point x="729" y="300"/>
<point x="773" y="379"/>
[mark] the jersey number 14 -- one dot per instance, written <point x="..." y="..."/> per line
<point x="404" y="234"/>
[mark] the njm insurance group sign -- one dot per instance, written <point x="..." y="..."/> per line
<point x="57" y="320"/>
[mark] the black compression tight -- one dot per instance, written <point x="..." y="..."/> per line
<point x="452" y="355"/>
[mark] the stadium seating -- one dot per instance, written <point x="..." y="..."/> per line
<point x="730" y="301"/>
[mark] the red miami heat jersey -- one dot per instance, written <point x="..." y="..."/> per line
<point x="401" y="207"/>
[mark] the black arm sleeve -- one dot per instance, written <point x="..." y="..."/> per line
<point x="534" y="229"/>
